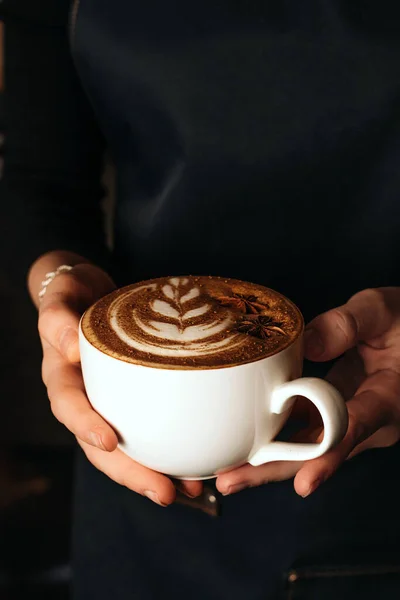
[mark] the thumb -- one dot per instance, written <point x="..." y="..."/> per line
<point x="366" y="316"/>
<point x="68" y="297"/>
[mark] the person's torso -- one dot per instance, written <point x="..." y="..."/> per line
<point x="258" y="141"/>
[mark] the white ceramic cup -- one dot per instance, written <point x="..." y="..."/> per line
<point x="194" y="424"/>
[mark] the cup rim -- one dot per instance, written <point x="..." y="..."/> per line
<point x="163" y="367"/>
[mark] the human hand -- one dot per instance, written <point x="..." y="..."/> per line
<point x="365" y="333"/>
<point x="65" y="300"/>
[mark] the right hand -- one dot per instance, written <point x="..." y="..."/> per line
<point x="66" y="298"/>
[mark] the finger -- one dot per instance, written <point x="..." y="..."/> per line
<point x="62" y="305"/>
<point x="347" y="374"/>
<point x="373" y="407"/>
<point x="58" y="327"/>
<point x="123" y="470"/>
<point x="192" y="489"/>
<point x="383" y="438"/>
<point x="366" y="316"/>
<point x="70" y="405"/>
<point x="249" y="476"/>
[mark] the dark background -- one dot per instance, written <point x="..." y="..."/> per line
<point x="36" y="453"/>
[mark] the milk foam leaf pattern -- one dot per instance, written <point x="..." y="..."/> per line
<point x="172" y="320"/>
<point x="177" y="295"/>
<point x="192" y="322"/>
<point x="165" y="308"/>
<point x="261" y="326"/>
<point x="244" y="304"/>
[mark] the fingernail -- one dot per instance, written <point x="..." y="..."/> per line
<point x="233" y="489"/>
<point x="315" y="484"/>
<point x="95" y="440"/>
<point x="184" y="491"/>
<point x="68" y="341"/>
<point x="189" y="495"/>
<point x="153" y="497"/>
<point x="312" y="343"/>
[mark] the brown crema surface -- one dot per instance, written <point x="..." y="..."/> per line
<point x="192" y="322"/>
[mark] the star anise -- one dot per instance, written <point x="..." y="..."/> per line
<point x="246" y="304"/>
<point x="261" y="326"/>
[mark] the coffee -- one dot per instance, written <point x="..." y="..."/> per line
<point x="192" y="323"/>
<point x="153" y="358"/>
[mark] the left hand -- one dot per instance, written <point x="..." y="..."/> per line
<point x="365" y="333"/>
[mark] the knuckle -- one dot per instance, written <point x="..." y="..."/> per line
<point x="355" y="435"/>
<point x="45" y="372"/>
<point x="346" y="324"/>
<point x="43" y="324"/>
<point x="357" y="431"/>
<point x="49" y="315"/>
<point x="375" y="296"/>
<point x="393" y="435"/>
<point x="58" y="400"/>
<point x="55" y="407"/>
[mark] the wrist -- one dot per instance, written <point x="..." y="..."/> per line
<point x="48" y="263"/>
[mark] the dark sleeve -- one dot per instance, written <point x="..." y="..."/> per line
<point x="50" y="192"/>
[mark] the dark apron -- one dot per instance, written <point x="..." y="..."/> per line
<point x="267" y="543"/>
<point x="261" y="141"/>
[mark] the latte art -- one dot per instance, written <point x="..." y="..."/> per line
<point x="180" y="324"/>
<point x="191" y="322"/>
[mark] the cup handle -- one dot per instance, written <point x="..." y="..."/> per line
<point x="334" y="415"/>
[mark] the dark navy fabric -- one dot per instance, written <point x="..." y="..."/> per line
<point x="261" y="141"/>
<point x="250" y="141"/>
<point x="126" y="547"/>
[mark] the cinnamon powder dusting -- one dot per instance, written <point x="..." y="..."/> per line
<point x="192" y="323"/>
